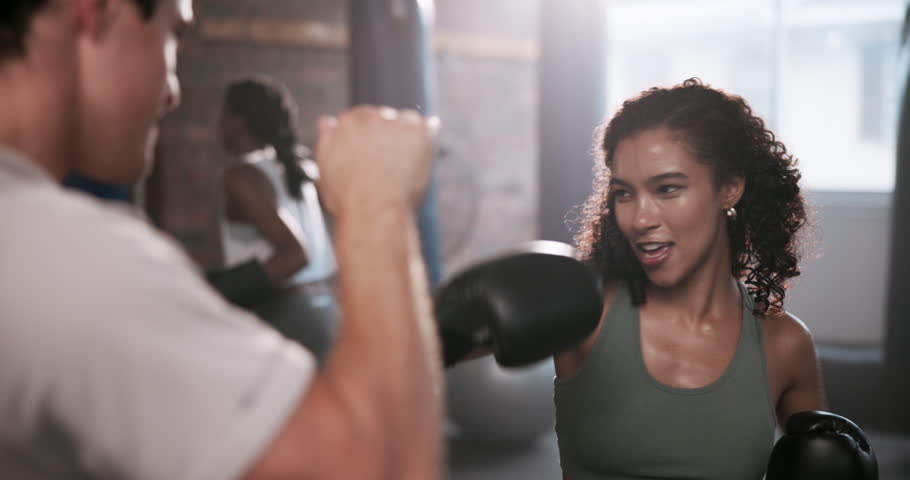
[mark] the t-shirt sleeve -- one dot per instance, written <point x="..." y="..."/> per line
<point x="126" y="353"/>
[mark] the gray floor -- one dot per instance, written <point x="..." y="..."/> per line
<point x="473" y="461"/>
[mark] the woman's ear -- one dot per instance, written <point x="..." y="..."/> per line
<point x="732" y="191"/>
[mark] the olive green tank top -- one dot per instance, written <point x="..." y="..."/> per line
<point x="614" y="421"/>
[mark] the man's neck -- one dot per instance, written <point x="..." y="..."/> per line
<point x="25" y="128"/>
<point x="37" y="117"/>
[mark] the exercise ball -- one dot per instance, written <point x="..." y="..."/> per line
<point x="304" y="314"/>
<point x="507" y="407"/>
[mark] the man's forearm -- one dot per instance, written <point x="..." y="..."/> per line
<point x="387" y="359"/>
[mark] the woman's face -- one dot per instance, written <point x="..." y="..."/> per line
<point x="668" y="206"/>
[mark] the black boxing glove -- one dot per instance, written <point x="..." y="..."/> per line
<point x="821" y="445"/>
<point x="245" y="285"/>
<point x="525" y="306"/>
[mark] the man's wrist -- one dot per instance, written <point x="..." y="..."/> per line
<point x="365" y="209"/>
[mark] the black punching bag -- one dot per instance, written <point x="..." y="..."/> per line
<point x="897" y="328"/>
<point x="391" y="64"/>
<point x="572" y="104"/>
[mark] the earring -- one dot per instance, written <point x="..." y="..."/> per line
<point x="731" y="213"/>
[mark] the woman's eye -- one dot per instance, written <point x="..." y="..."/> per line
<point x="667" y="189"/>
<point x="621" y="194"/>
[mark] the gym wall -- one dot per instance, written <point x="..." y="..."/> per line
<point x="486" y="64"/>
<point x="488" y="86"/>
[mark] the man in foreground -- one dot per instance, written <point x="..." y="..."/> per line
<point x="118" y="360"/>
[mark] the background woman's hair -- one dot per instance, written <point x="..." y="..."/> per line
<point x="270" y="115"/>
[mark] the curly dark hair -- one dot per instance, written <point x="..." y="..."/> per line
<point x="722" y="132"/>
<point x="16" y="18"/>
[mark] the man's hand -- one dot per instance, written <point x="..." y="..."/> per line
<point x="373" y="157"/>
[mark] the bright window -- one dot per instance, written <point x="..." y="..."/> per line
<point x="824" y="74"/>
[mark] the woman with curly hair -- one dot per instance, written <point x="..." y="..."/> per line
<point x="694" y="224"/>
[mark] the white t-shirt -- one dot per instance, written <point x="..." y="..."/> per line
<point x="116" y="359"/>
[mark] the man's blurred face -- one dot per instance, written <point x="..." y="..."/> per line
<point x="128" y="81"/>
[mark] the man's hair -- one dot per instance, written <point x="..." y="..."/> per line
<point x="16" y="18"/>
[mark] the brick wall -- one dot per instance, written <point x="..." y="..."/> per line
<point x="486" y="96"/>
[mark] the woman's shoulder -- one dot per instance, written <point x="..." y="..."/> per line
<point x="244" y="178"/>
<point x="787" y="336"/>
<point x="782" y="322"/>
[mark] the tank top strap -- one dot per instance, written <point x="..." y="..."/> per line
<point x="748" y="299"/>
<point x="751" y="322"/>
<point x="619" y="332"/>
<point x="621" y="299"/>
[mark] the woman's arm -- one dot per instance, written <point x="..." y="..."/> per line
<point x="802" y="387"/>
<point x="251" y="199"/>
